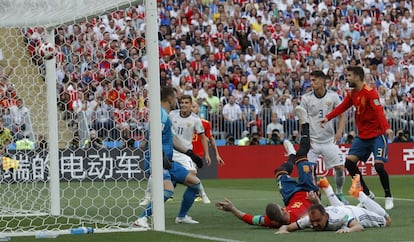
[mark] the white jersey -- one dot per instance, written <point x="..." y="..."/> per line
<point x="317" y="109"/>
<point x="341" y="216"/>
<point x="184" y="128"/>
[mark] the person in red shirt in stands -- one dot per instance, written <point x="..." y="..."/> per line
<point x="372" y="128"/>
<point x="298" y="196"/>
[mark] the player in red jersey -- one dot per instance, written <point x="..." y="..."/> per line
<point x="372" y="130"/>
<point x="298" y="196"/>
<point x="198" y="146"/>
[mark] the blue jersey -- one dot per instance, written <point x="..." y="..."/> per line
<point x="167" y="135"/>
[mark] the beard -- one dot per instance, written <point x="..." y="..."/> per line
<point x="351" y="84"/>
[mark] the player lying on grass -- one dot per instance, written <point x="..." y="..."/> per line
<point x="298" y="196"/>
<point x="339" y="217"/>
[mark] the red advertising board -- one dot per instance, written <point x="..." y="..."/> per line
<point x="259" y="161"/>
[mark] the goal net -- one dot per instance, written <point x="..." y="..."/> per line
<point x="76" y="121"/>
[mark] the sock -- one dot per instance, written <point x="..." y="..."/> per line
<point x="148" y="189"/>
<point x="385" y="181"/>
<point x="148" y="210"/>
<point x="371" y="205"/>
<point x="353" y="170"/>
<point x="287" y="167"/>
<point x="304" y="145"/>
<point x="339" y="180"/>
<point x="201" y="191"/>
<point x="188" y="199"/>
<point x="332" y="198"/>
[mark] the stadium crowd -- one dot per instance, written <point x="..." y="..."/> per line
<point x="247" y="63"/>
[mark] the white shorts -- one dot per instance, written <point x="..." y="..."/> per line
<point x="184" y="160"/>
<point x="328" y="151"/>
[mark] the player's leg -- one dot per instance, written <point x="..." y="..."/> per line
<point x="147" y="168"/>
<point x="360" y="150"/>
<point x="304" y="145"/>
<point x="380" y="157"/>
<point x="372" y="206"/>
<point x="330" y="153"/>
<point x="181" y="175"/>
<point x="333" y="199"/>
<point x="147" y="196"/>
<point x="142" y="220"/>
<point x="201" y="195"/>
<point x="307" y="170"/>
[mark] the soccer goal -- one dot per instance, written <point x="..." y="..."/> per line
<point x="72" y="97"/>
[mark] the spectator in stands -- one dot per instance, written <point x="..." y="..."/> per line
<point x="20" y="116"/>
<point x="249" y="115"/>
<point x="102" y="120"/>
<point x="233" y="121"/>
<point x="275" y="124"/>
<point x="93" y="141"/>
<point x="25" y="143"/>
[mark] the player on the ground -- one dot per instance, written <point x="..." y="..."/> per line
<point x="339" y="217"/>
<point x="198" y="148"/>
<point x="372" y="128"/>
<point x="173" y="171"/>
<point x="297" y="196"/>
<point x="318" y="103"/>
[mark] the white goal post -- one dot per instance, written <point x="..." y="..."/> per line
<point x="70" y="182"/>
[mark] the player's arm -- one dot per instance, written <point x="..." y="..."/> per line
<point x="261" y="220"/>
<point x="204" y="142"/>
<point x="220" y="161"/>
<point x="347" y="103"/>
<point x="353" y="226"/>
<point x="341" y="127"/>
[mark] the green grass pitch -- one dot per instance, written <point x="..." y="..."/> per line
<point x="252" y="195"/>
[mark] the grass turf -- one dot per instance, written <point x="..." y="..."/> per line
<point x="252" y="195"/>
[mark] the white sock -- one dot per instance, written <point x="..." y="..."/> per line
<point x="371" y="205"/>
<point x="339" y="181"/>
<point x="148" y="189"/>
<point x="202" y="191"/>
<point x="332" y="198"/>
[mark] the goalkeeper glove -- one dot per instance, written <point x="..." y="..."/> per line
<point x="166" y="163"/>
<point x="197" y="159"/>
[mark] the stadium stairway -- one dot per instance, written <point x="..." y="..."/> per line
<point x="29" y="84"/>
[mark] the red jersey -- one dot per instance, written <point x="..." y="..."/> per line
<point x="369" y="114"/>
<point x="298" y="206"/>
<point x="197" y="145"/>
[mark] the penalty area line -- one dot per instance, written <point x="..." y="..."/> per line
<point x="200" y="236"/>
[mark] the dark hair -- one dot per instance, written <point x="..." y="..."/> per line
<point x="273" y="212"/>
<point x="357" y="70"/>
<point x="317" y="207"/>
<point x="167" y="92"/>
<point x="188" y="97"/>
<point x="318" y="74"/>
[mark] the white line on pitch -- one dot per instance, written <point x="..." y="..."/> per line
<point x="200" y="236"/>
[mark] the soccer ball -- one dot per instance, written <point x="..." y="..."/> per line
<point x="47" y="51"/>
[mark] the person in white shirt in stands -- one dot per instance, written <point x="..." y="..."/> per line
<point x="339" y="217"/>
<point x="275" y="124"/>
<point x="232" y="115"/>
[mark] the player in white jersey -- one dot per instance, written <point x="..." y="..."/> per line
<point x="184" y="124"/>
<point x="339" y="217"/>
<point x="318" y="103"/>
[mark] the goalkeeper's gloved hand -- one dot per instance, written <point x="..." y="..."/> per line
<point x="166" y="162"/>
<point x="197" y="159"/>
